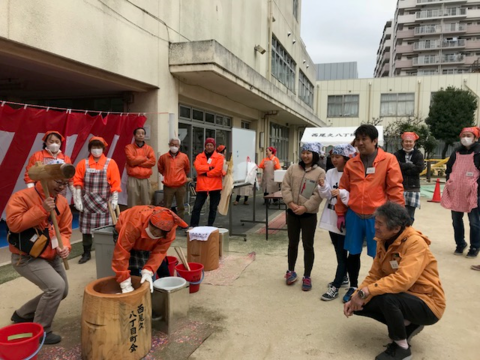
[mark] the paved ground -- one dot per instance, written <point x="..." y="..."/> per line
<point x="259" y="317"/>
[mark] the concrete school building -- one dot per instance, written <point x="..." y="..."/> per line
<point x="349" y="102"/>
<point x="202" y="66"/>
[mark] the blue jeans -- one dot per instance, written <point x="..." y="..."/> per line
<point x="459" y="229"/>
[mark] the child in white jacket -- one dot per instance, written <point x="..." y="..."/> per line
<point x="328" y="190"/>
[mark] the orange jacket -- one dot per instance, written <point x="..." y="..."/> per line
<point x="276" y="165"/>
<point x="41" y="156"/>
<point x="417" y="272"/>
<point x="24" y="211"/>
<point x="174" y="169"/>
<point x="368" y="192"/>
<point x="113" y="174"/>
<point x="140" y="160"/>
<point x="209" y="179"/>
<point x="131" y="227"/>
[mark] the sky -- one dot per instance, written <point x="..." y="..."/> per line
<point x="345" y="30"/>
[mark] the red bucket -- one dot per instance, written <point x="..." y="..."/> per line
<point x="20" y="341"/>
<point x="172" y="262"/>
<point x="194" y="276"/>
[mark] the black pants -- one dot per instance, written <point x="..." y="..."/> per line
<point x="197" y="207"/>
<point x="393" y="309"/>
<point x="345" y="263"/>
<point x="411" y="212"/>
<point x="162" y="270"/>
<point x="239" y="197"/>
<point x="306" y="224"/>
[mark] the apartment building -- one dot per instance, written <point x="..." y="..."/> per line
<point x="433" y="37"/>
<point x="203" y="67"/>
<point x="384" y="53"/>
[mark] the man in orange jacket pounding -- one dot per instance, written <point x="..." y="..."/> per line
<point x="140" y="160"/>
<point x="371" y="178"/>
<point x="145" y="233"/>
<point x="209" y="166"/>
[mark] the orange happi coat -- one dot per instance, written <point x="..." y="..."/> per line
<point x="24" y="211"/>
<point x="132" y="236"/>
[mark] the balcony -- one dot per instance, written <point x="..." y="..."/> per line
<point x="427" y="72"/>
<point x="454" y="58"/>
<point x="426" y="60"/>
<point x="473" y="29"/>
<point x="407" y="63"/>
<point x="422" y="2"/>
<point x="385" y="70"/>
<point x="406" y="19"/>
<point x="454" y="28"/>
<point x="427" y="29"/>
<point x="426" y="45"/>
<point x="405" y="34"/>
<point x="453" y="44"/>
<point x="407" y="4"/>
<point x="440" y="13"/>
<point x="472" y="44"/>
<point x="402" y="49"/>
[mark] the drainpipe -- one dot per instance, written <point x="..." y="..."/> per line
<point x="270" y="32"/>
<point x="478" y="100"/>
<point x="317" y="101"/>
<point x="369" y="99"/>
<point x="419" y="85"/>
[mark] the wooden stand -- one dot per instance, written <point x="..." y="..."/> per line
<point x="116" y="325"/>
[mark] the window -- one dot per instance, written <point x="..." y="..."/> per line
<point x="295" y="9"/>
<point x="343" y="106"/>
<point x="283" y="66"/>
<point x="279" y="140"/>
<point x="245" y="125"/>
<point x="402" y="104"/>
<point x="200" y="116"/>
<point x="305" y="89"/>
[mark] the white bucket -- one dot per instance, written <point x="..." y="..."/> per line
<point x="169" y="283"/>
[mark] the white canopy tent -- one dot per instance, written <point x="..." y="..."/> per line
<point x="331" y="136"/>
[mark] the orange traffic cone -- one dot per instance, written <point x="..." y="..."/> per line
<point x="436" y="194"/>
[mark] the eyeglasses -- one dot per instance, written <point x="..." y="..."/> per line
<point x="62" y="183"/>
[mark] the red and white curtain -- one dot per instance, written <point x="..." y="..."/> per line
<point x="21" y="132"/>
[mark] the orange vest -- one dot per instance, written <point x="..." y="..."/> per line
<point x="209" y="180"/>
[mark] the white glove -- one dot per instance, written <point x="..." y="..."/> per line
<point x="127" y="286"/>
<point x="30" y="185"/>
<point x="77" y="199"/>
<point x="114" y="200"/>
<point x="147" y="275"/>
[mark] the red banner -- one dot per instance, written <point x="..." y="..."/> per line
<point x="21" y="132"/>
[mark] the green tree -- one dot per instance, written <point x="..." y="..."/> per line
<point x="451" y="110"/>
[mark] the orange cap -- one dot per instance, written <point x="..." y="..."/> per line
<point x="165" y="219"/>
<point x="48" y="133"/>
<point x="474" y="130"/>
<point x="410" y="136"/>
<point x="99" y="139"/>
<point x="220" y="148"/>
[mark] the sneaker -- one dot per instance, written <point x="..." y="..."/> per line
<point x="345" y="283"/>
<point x="412" y="330"/>
<point x="246" y="203"/>
<point x="306" y="283"/>
<point x="291" y="277"/>
<point x="472" y="253"/>
<point x="332" y="293"/>
<point x="395" y="352"/>
<point x="460" y="249"/>
<point x="348" y="295"/>
<point x="235" y="203"/>
<point x="17" y="319"/>
<point x="52" y="338"/>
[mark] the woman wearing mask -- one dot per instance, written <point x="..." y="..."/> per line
<point x="299" y="191"/>
<point x="51" y="154"/>
<point x="269" y="165"/>
<point x="97" y="182"/>
<point x="461" y="194"/>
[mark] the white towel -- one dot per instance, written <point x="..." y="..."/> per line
<point x="201" y="233"/>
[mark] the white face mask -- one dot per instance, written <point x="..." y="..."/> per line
<point x="173" y="149"/>
<point x="97" y="152"/>
<point x="466" y="141"/>
<point x="53" y="148"/>
<point x="150" y="235"/>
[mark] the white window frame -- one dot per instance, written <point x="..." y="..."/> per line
<point x="340" y="106"/>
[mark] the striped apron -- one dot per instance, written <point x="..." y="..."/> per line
<point x="95" y="197"/>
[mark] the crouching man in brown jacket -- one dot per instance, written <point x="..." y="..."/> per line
<point x="403" y="288"/>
